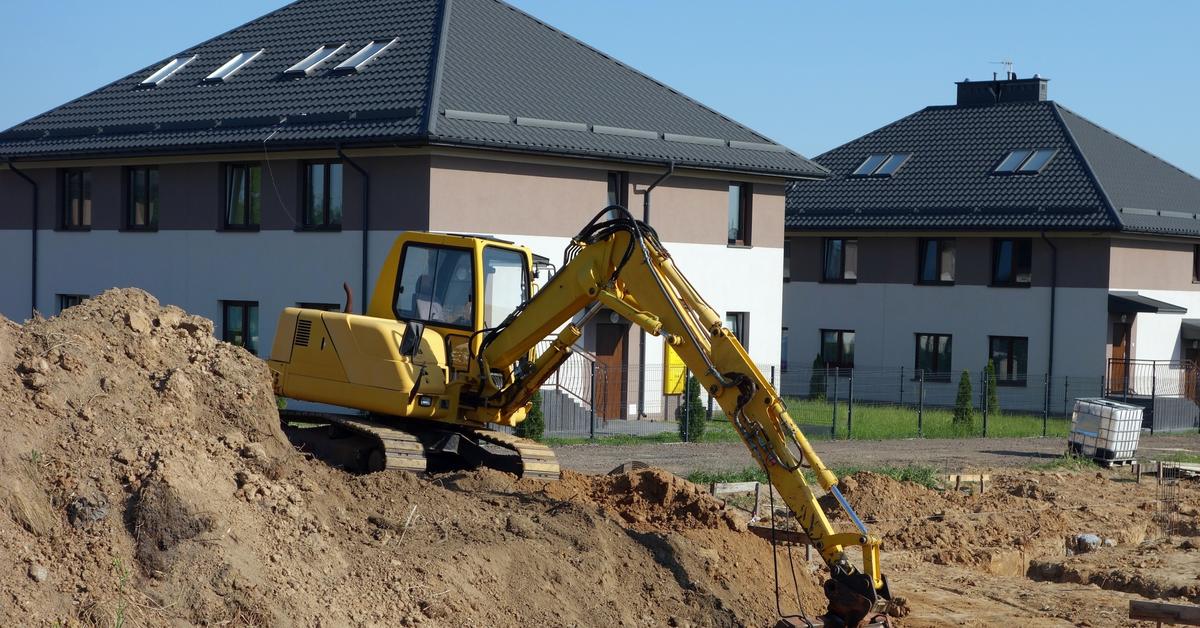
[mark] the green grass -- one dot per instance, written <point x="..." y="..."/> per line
<point x="1068" y="462"/>
<point x="884" y="422"/>
<point x="1179" y="456"/>
<point x="924" y="475"/>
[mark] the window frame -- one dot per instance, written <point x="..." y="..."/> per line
<point x="996" y="283"/>
<point x="65" y="300"/>
<point x="227" y="197"/>
<point x="745" y="208"/>
<point x="1196" y="263"/>
<point x="1018" y="168"/>
<point x="1020" y="382"/>
<point x="825" y="261"/>
<point x="934" y="375"/>
<point x="743" y="324"/>
<point x="941" y="242"/>
<point x="306" y="192"/>
<point x="618" y="182"/>
<point x="841" y="361"/>
<point x="153" y="204"/>
<point x="247" y="343"/>
<point x="85" y="196"/>
<point x="862" y="172"/>
<point x="475" y="306"/>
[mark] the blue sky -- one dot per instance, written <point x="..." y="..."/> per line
<point x="810" y="74"/>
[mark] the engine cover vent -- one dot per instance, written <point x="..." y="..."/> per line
<point x="303" y="333"/>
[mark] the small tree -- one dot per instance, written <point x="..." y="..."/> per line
<point x="964" y="410"/>
<point x="534" y="425"/>
<point x="816" y="382"/>
<point x="993" y="402"/>
<point x="691" y="413"/>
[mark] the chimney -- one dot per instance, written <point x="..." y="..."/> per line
<point x="1011" y="89"/>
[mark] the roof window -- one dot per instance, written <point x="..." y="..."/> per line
<point x="881" y="165"/>
<point x="312" y="62"/>
<point x="233" y="65"/>
<point x="1025" y="161"/>
<point x="166" y="71"/>
<point x="368" y="53"/>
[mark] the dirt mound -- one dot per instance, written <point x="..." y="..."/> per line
<point x="144" y="480"/>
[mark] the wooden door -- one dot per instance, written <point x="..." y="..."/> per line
<point x="1191" y="357"/>
<point x="610" y="380"/>
<point x="1120" y="358"/>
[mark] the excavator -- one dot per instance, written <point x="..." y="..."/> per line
<point x="447" y="345"/>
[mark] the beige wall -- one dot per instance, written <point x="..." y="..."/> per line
<point x="486" y="196"/>
<point x="893" y="259"/>
<point x="1151" y="265"/>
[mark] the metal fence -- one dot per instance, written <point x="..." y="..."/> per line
<point x="587" y="399"/>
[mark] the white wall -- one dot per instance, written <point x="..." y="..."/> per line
<point x="886" y="317"/>
<point x="1156" y="336"/>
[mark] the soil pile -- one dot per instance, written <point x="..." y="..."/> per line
<point x="144" y="479"/>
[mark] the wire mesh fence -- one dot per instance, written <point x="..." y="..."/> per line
<point x="589" y="400"/>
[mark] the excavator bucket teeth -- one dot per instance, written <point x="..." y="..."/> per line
<point x="537" y="460"/>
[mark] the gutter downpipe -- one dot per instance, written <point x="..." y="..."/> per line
<point x="366" y="223"/>
<point x="33" y="279"/>
<point x="1053" y="295"/>
<point x="641" y="402"/>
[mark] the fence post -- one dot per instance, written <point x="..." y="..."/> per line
<point x="1045" y="403"/>
<point x="592" y="414"/>
<point x="687" y="405"/>
<point x="920" y="403"/>
<point x="983" y="388"/>
<point x="833" y="423"/>
<point x="1066" y="392"/>
<point x="1153" y="392"/>
<point x="850" y="409"/>
<point x="902" y="385"/>
<point x="773" y="376"/>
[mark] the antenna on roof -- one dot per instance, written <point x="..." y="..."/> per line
<point x="1008" y="68"/>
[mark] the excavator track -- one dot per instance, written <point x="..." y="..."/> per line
<point x="409" y="447"/>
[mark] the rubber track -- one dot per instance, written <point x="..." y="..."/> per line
<point x="404" y="451"/>
<point x="537" y="460"/>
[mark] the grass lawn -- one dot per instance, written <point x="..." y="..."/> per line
<point x="883" y="422"/>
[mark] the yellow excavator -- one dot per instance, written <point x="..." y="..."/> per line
<point x="447" y="344"/>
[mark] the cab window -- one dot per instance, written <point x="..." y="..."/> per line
<point x="435" y="286"/>
<point x="505" y="284"/>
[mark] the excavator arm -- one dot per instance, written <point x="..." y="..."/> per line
<point x="620" y="264"/>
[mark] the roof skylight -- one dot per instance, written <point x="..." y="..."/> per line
<point x="1025" y="161"/>
<point x="368" y="53"/>
<point x="231" y="66"/>
<point x="167" y="70"/>
<point x="312" y="62"/>
<point x="881" y="165"/>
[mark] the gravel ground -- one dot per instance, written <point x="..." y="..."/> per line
<point x="949" y="454"/>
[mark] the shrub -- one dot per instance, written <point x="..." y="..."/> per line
<point x="691" y="429"/>
<point x="816" y="382"/>
<point x="534" y="425"/>
<point x="993" y="402"/>
<point x="964" y="410"/>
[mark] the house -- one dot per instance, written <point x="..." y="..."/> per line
<point x="1004" y="227"/>
<point x="268" y="165"/>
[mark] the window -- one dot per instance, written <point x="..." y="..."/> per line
<point x="313" y="62"/>
<point x="239" y="61"/>
<point x="69" y="300"/>
<point x="436" y="285"/>
<point x="841" y="261"/>
<point x="1196" y="263"/>
<point x="837" y="348"/>
<point x="243" y="196"/>
<point x="787" y="260"/>
<point x="505" y="284"/>
<point x="740" y="195"/>
<point x="323" y="196"/>
<point x="239" y="324"/>
<point x="325" y="307"/>
<point x="141" y="210"/>
<point x="364" y="56"/>
<point x="1025" y="161"/>
<point x="1012" y="259"/>
<point x="165" y="72"/>
<point x="783" y="350"/>
<point x="77" y="199"/>
<point x="936" y="262"/>
<point x="737" y="323"/>
<point x="618" y="189"/>
<point x="880" y="165"/>
<point x="1009" y="355"/>
<point x="933" y="356"/>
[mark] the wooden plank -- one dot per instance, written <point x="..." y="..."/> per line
<point x="1179" y="614"/>
<point x="733" y="487"/>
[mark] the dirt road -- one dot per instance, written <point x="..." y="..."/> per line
<point x="950" y="454"/>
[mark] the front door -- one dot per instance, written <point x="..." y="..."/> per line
<point x="610" y="376"/>
<point x="1119" y="363"/>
